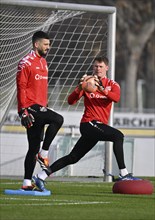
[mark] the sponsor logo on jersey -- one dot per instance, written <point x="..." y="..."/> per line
<point x="40" y="77"/>
<point x="97" y="96"/>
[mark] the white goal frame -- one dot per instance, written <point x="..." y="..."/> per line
<point x="111" y="11"/>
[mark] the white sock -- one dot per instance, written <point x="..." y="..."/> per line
<point x="27" y="182"/>
<point x="44" y="153"/>
<point x="42" y="175"/>
<point x="123" y="172"/>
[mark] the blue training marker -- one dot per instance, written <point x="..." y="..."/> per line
<point x="26" y="193"/>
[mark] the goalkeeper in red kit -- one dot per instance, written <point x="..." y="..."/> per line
<point x="32" y="90"/>
<point x="94" y="123"/>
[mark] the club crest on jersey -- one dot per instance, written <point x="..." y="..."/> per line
<point x="109" y="88"/>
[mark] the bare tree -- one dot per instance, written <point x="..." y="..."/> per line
<point x="148" y="70"/>
<point x="137" y="31"/>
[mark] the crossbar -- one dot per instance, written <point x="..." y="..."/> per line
<point x="62" y="6"/>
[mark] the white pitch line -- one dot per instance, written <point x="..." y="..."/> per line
<point x="60" y="204"/>
<point x="36" y="199"/>
<point x="98" y="184"/>
<point x="10" y="183"/>
<point x="25" y="199"/>
<point x="53" y="202"/>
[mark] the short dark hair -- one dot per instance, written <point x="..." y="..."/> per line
<point x="39" y="35"/>
<point x="102" y="59"/>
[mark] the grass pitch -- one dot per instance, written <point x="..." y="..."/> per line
<point x="76" y="200"/>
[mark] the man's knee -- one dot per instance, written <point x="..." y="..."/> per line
<point x="121" y="135"/>
<point x="60" y="120"/>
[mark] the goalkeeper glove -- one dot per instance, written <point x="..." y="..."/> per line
<point x="81" y="81"/>
<point x="102" y="88"/>
<point x="99" y="83"/>
<point x="27" y="119"/>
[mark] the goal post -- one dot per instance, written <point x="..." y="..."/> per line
<point x="78" y="33"/>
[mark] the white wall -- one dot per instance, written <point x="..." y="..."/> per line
<point x="139" y="158"/>
<point x="144" y="157"/>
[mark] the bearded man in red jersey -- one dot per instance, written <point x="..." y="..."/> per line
<point x="32" y="91"/>
<point x="94" y="123"/>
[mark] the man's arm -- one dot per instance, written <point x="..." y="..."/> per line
<point x="114" y="93"/>
<point x="75" y="96"/>
<point x="27" y="119"/>
<point x="21" y="82"/>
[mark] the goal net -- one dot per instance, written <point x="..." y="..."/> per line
<point x="78" y="33"/>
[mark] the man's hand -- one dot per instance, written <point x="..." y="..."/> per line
<point x="99" y="83"/>
<point x="26" y="118"/>
<point x="81" y="81"/>
<point x="100" y="86"/>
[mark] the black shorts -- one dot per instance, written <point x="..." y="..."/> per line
<point x="43" y="116"/>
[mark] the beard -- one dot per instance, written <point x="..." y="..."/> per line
<point x="42" y="53"/>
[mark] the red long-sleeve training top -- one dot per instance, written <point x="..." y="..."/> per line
<point x="32" y="81"/>
<point x="97" y="105"/>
